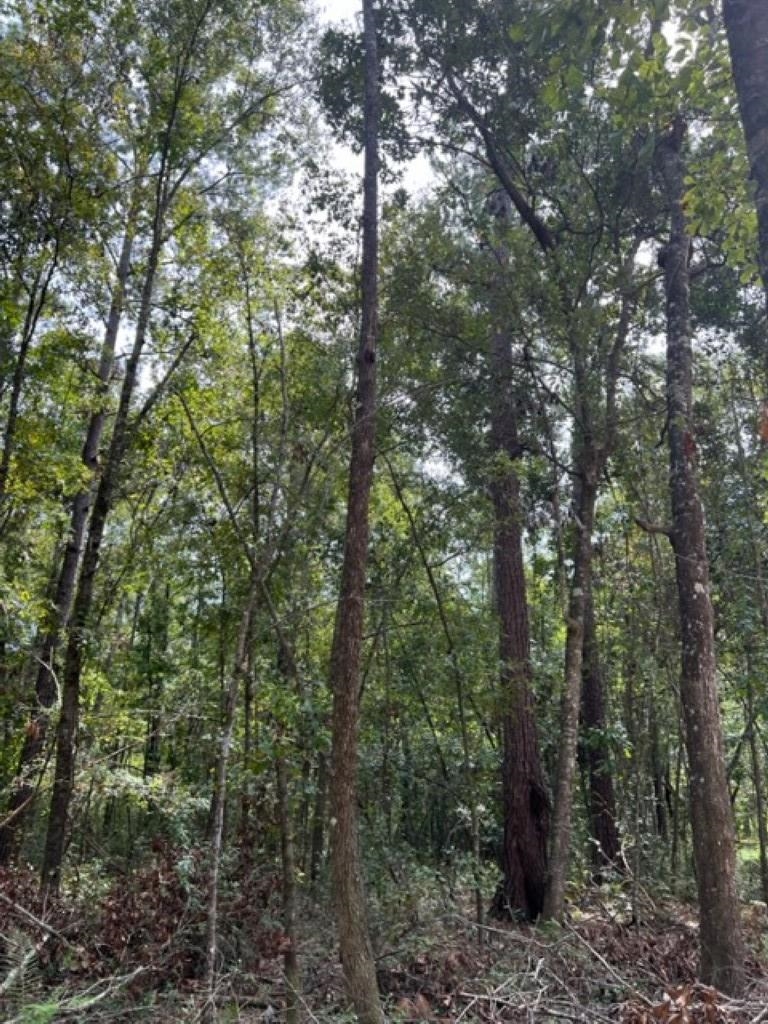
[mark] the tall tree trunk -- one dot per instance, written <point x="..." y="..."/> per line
<point x="524" y="795"/>
<point x="584" y="503"/>
<point x="746" y="23"/>
<point x="525" y="801"/>
<point x="105" y="493"/>
<point x="288" y="861"/>
<point x="606" y="848"/>
<point x="722" y="950"/>
<point x="346" y="869"/>
<point x="46" y="689"/>
<point x="219" y="795"/>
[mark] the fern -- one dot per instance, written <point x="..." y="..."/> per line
<point x="21" y="981"/>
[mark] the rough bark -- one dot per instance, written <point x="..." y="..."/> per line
<point x="346" y="869"/>
<point x="746" y="23"/>
<point x="722" y="950"/>
<point x="524" y="794"/>
<point x="606" y="846"/>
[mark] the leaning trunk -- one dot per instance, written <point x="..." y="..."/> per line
<point x="46" y="690"/>
<point x="73" y="663"/>
<point x="346" y="869"/>
<point x="722" y="950"/>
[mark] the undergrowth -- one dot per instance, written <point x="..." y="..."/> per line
<point x="136" y="953"/>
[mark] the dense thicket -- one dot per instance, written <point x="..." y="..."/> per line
<point x="546" y="670"/>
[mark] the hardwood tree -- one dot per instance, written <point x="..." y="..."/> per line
<point x="349" y="898"/>
<point x="721" y="945"/>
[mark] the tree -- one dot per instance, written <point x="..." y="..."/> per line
<point x="354" y="942"/>
<point x="722" y="951"/>
<point x="179" y="141"/>
<point x="524" y="795"/>
<point x="746" y="22"/>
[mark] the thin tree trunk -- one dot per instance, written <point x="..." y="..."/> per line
<point x="758" y="783"/>
<point x="581" y="582"/>
<point x="73" y="664"/>
<point x="38" y="294"/>
<point x="606" y="848"/>
<point x="722" y="950"/>
<point x="288" y="859"/>
<point x="453" y="656"/>
<point x="318" y="819"/>
<point x="46" y="687"/>
<point x="346" y="869"/>
<point x="219" y="796"/>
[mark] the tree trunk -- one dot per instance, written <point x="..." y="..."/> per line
<point x="606" y="846"/>
<point x="524" y="795"/>
<point x="318" y="820"/>
<point x="105" y="493"/>
<point x="38" y="294"/>
<point x="288" y="861"/>
<point x="746" y="23"/>
<point x="219" y="795"/>
<point x="581" y="582"/>
<point x="722" y="950"/>
<point x="758" y="783"/>
<point x="346" y="869"/>
<point x="46" y="689"/>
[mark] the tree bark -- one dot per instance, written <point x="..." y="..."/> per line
<point x="288" y="861"/>
<point x="346" y="869"/>
<point x="585" y="498"/>
<point x="606" y="848"/>
<point x="722" y="950"/>
<point x="524" y="794"/>
<point x="746" y="23"/>
<point x="594" y="434"/>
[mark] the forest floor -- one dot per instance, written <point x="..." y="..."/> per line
<point x="135" y="956"/>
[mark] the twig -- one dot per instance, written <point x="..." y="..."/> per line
<point x="51" y="932"/>
<point x="613" y="973"/>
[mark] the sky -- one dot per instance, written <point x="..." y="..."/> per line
<point x="418" y="174"/>
<point x="339" y="10"/>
